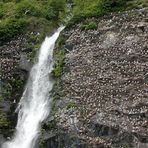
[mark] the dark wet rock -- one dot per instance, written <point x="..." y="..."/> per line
<point x="26" y="50"/>
<point x="5" y="106"/>
<point x="69" y="47"/>
<point x="24" y="64"/>
<point x="47" y="135"/>
<point x="102" y="130"/>
<point x="1" y="139"/>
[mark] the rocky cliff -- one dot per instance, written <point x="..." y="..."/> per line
<point x="103" y="91"/>
<point x="101" y="98"/>
<point x="16" y="59"/>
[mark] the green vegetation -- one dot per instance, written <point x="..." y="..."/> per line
<point x="7" y="90"/>
<point x="61" y="40"/>
<point x="71" y="105"/>
<point x="10" y="28"/>
<point x="83" y="9"/>
<point x="3" y="121"/>
<point x="58" y="68"/>
<point x="55" y="96"/>
<point x="18" y="83"/>
<point x="21" y="16"/>
<point x="126" y="145"/>
<point x="89" y="26"/>
<point x="54" y="110"/>
<point x="82" y="109"/>
<point x="50" y="126"/>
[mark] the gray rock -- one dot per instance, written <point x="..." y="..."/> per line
<point x="69" y="47"/>
<point x="24" y="64"/>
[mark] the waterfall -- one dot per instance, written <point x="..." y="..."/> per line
<point x="34" y="105"/>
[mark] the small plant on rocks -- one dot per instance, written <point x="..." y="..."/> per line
<point x="89" y="26"/>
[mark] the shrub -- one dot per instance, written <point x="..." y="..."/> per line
<point x="112" y="5"/>
<point x="75" y="19"/>
<point x="18" y="83"/>
<point x="1" y="13"/>
<point x="71" y="105"/>
<point x="136" y="3"/>
<point x="83" y="9"/>
<point x="14" y="14"/>
<point x="54" y="9"/>
<point x="6" y="91"/>
<point x="7" y="9"/>
<point x="3" y="121"/>
<point x="82" y="110"/>
<point x="28" y="8"/>
<point x="10" y="28"/>
<point x="89" y="26"/>
<point x="50" y="125"/>
<point x="61" y="40"/>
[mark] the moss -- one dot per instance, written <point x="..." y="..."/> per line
<point x="27" y="8"/>
<point x="61" y="40"/>
<point x="89" y="26"/>
<point x="58" y="68"/>
<point x="15" y="15"/>
<point x="1" y="97"/>
<point x="8" y="9"/>
<point x="31" y="56"/>
<point x="3" y="121"/>
<point x="136" y="3"/>
<point x="50" y="126"/>
<point x="82" y="110"/>
<point x="18" y="83"/>
<point x="54" y="111"/>
<point x="56" y="9"/>
<point x="1" y="13"/>
<point x="71" y="105"/>
<point x="55" y="96"/>
<point x="7" y="90"/>
<point x="86" y="7"/>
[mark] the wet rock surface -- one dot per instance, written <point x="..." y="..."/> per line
<point x="106" y="78"/>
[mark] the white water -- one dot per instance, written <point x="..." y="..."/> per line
<point x="34" y="105"/>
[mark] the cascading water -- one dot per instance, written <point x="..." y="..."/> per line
<point x="34" y="105"/>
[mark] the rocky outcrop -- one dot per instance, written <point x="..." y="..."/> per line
<point x="15" y="64"/>
<point x="103" y="97"/>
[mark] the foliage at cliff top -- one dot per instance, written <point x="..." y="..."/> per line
<point x="92" y="8"/>
<point x="20" y="16"/>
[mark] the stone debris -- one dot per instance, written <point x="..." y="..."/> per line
<point x="10" y="56"/>
<point x="107" y="77"/>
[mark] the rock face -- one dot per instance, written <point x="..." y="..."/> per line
<point x="14" y="68"/>
<point x="105" y="83"/>
<point x="103" y="90"/>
